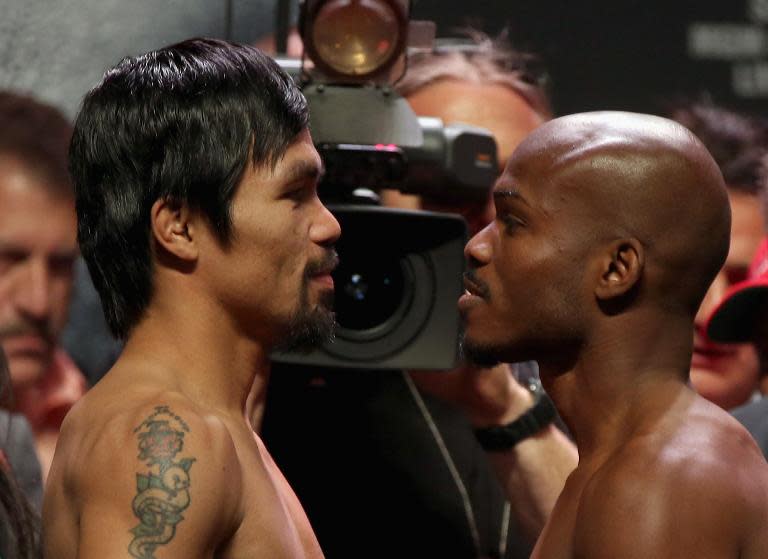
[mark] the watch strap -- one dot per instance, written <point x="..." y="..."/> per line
<point x="503" y="437"/>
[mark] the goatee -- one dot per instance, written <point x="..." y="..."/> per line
<point x="310" y="329"/>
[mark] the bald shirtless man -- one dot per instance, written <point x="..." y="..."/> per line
<point x="200" y="222"/>
<point x="609" y="228"/>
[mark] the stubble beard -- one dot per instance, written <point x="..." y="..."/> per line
<point x="485" y="356"/>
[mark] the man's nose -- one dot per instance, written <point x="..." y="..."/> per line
<point x="326" y="229"/>
<point x="32" y="292"/>
<point x="478" y="251"/>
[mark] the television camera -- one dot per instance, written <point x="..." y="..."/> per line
<point x="401" y="270"/>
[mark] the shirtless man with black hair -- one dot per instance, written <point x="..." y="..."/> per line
<point x="609" y="229"/>
<point x="199" y="219"/>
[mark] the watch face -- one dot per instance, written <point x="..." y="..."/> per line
<point x="533" y="384"/>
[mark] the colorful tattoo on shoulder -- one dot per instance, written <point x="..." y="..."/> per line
<point x="163" y="491"/>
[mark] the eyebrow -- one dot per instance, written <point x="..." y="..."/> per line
<point x="502" y="195"/>
<point x="303" y="170"/>
<point x="12" y="247"/>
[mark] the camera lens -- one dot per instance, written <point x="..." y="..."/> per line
<point x="368" y="293"/>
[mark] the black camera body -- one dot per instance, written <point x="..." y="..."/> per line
<point x="400" y="272"/>
<point x="395" y="290"/>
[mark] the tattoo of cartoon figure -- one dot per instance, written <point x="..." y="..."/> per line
<point x="163" y="491"/>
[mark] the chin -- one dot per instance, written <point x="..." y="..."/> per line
<point x="483" y="355"/>
<point x="308" y="330"/>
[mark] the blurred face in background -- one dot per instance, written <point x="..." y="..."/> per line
<point x="727" y="374"/>
<point x="494" y="107"/>
<point x="38" y="248"/>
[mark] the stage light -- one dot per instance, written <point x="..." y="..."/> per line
<point x="355" y="40"/>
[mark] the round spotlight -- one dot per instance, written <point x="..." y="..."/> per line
<point x="357" y="38"/>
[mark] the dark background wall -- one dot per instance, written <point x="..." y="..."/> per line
<point x="632" y="54"/>
<point x="617" y="54"/>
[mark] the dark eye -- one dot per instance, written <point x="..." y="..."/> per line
<point x="9" y="258"/>
<point x="62" y="265"/>
<point x="511" y="223"/>
<point x="297" y="195"/>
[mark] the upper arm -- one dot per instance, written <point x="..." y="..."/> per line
<point x="166" y="480"/>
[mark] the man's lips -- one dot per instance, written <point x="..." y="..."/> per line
<point x="323" y="267"/>
<point x="474" y="287"/>
<point x="323" y="279"/>
<point x="714" y="350"/>
<point x="706" y="355"/>
<point x="321" y="272"/>
<point x="474" y="293"/>
<point x="26" y="344"/>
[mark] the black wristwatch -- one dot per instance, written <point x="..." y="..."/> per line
<point x="503" y="437"/>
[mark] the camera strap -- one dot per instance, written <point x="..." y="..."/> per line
<point x="460" y="486"/>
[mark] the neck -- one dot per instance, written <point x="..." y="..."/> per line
<point x="626" y="377"/>
<point x="203" y="355"/>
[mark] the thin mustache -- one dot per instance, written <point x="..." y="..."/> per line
<point x="478" y="285"/>
<point x="25" y="329"/>
<point x="324" y="265"/>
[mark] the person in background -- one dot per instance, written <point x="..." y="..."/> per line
<point x="19" y="518"/>
<point x="38" y="249"/>
<point x="742" y="316"/>
<point x="17" y="444"/>
<point x="728" y="374"/>
<point x="404" y="460"/>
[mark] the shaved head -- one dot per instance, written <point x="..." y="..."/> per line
<point x="597" y="215"/>
<point x="635" y="176"/>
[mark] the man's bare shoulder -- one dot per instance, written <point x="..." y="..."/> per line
<point x="109" y="427"/>
<point x="698" y="490"/>
<point x="141" y="467"/>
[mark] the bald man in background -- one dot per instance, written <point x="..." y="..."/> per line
<point x="624" y="221"/>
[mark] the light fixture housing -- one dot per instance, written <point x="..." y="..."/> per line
<point x="355" y="41"/>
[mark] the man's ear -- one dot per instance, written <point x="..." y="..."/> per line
<point x="621" y="269"/>
<point x="173" y="230"/>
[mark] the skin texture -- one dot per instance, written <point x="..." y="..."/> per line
<point x="727" y="374"/>
<point x="533" y="473"/>
<point x="169" y="430"/>
<point x="591" y="205"/>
